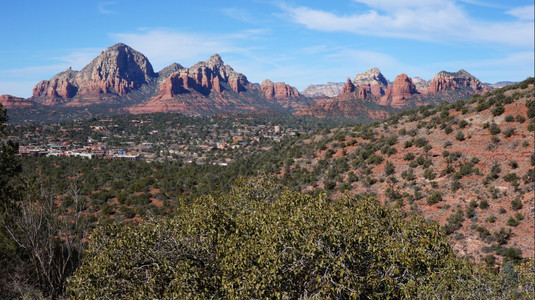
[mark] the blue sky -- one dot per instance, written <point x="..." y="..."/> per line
<point x="298" y="42"/>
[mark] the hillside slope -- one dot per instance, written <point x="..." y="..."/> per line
<point x="467" y="165"/>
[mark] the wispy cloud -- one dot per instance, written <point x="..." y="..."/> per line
<point x="164" y="46"/>
<point x="78" y="58"/>
<point x="433" y="20"/>
<point x="239" y="14"/>
<point x="523" y="13"/>
<point x="104" y="7"/>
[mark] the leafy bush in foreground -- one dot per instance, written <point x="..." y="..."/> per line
<point x="259" y="242"/>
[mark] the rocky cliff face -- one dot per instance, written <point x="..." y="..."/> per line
<point x="421" y="84"/>
<point x="401" y="92"/>
<point x="204" y="77"/>
<point x="329" y="89"/>
<point x="371" y="82"/>
<point x="212" y="87"/>
<point x="279" y="90"/>
<point x="117" y="71"/>
<point x="122" y="79"/>
<point x="9" y="102"/>
<point x="372" y="87"/>
<point x="460" y="80"/>
<point x="348" y="90"/>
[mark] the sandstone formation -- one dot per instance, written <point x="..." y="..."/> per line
<point x="400" y="92"/>
<point x="204" y="77"/>
<point x="459" y="80"/>
<point x="347" y="90"/>
<point x="278" y="90"/>
<point x="329" y="89"/>
<point x="404" y="93"/>
<point x="421" y="84"/>
<point x="371" y="82"/>
<point x="9" y="102"/>
<point x="117" y="71"/>
<point x="122" y="80"/>
<point x="213" y="87"/>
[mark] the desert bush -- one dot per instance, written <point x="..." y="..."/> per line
<point x="259" y="242"/>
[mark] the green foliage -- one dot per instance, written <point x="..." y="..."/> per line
<point x="408" y="156"/>
<point x="520" y="118"/>
<point x="509" y="118"/>
<point x="503" y="235"/>
<point x="512" y="222"/>
<point x="455" y="221"/>
<point x="484" y="204"/>
<point x="434" y="198"/>
<point x="516" y="204"/>
<point x="508" y="132"/>
<point x="511" y="282"/>
<point x="498" y="110"/>
<point x="259" y="242"/>
<point x="494" y="129"/>
<point x="429" y="174"/>
<point x="530" y="104"/>
<point x="389" y="168"/>
<point x="420" y="142"/>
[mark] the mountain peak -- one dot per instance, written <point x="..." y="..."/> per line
<point x="459" y="74"/>
<point x="372" y="76"/>
<point x="455" y="81"/>
<point x="216" y="59"/>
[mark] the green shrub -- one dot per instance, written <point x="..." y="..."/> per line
<point x="434" y="198"/>
<point x="498" y="110"/>
<point x="389" y="168"/>
<point x="512" y="222"/>
<point x="494" y="129"/>
<point x="508" y="132"/>
<point x="408" y="156"/>
<point x="520" y="118"/>
<point x="257" y="242"/>
<point x="429" y="174"/>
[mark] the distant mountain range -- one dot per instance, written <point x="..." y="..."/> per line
<point x="122" y="80"/>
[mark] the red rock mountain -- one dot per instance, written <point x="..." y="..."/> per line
<point x="122" y="80"/>
<point x="455" y="81"/>
<point x="402" y="93"/>
<point x="348" y="89"/>
<point x="278" y="90"/>
<point x="372" y="87"/>
<point x="213" y="87"/>
<point x="371" y="82"/>
<point x="9" y="102"/>
<point x="115" y="73"/>
<point x="329" y="89"/>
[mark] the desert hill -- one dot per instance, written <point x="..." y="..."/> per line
<point x="467" y="164"/>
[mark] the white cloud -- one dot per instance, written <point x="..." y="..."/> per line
<point x="438" y="21"/>
<point x="79" y="58"/>
<point x="104" y="8"/>
<point x="163" y="47"/>
<point x="239" y="14"/>
<point x="523" y="13"/>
